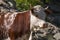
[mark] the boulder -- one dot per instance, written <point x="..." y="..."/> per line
<point x="57" y="36"/>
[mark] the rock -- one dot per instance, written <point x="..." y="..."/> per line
<point x="4" y="10"/>
<point x="54" y="7"/>
<point x="11" y="3"/>
<point x="7" y="4"/>
<point x="57" y="36"/>
<point x="3" y="3"/>
<point x="42" y="33"/>
<point x="54" y="19"/>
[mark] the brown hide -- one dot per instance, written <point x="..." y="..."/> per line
<point x="3" y="31"/>
<point x="1" y="23"/>
<point x="20" y="25"/>
<point x="1" y="19"/>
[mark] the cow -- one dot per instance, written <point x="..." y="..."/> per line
<point x="16" y="24"/>
<point x="21" y="24"/>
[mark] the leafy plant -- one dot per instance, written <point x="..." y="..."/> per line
<point x="25" y="4"/>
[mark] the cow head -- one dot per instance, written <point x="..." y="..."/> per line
<point x="39" y="9"/>
<point x="38" y="16"/>
<point x="41" y="13"/>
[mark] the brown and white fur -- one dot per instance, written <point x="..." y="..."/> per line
<point x="37" y="18"/>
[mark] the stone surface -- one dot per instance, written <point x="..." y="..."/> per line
<point x="54" y="19"/>
<point x="57" y="36"/>
<point x="49" y="33"/>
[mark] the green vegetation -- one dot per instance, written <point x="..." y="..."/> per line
<point x="47" y="1"/>
<point x="23" y="5"/>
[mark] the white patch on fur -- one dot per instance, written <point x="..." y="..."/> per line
<point x="36" y="21"/>
<point x="9" y="19"/>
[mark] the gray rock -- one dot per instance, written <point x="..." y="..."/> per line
<point x="54" y="19"/>
<point x="57" y="36"/>
<point x="54" y="7"/>
<point x="11" y="3"/>
<point x="48" y="32"/>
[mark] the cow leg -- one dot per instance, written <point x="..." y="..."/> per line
<point x="30" y="38"/>
<point x="11" y="34"/>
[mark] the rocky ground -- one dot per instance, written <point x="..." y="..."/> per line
<point x="50" y="33"/>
